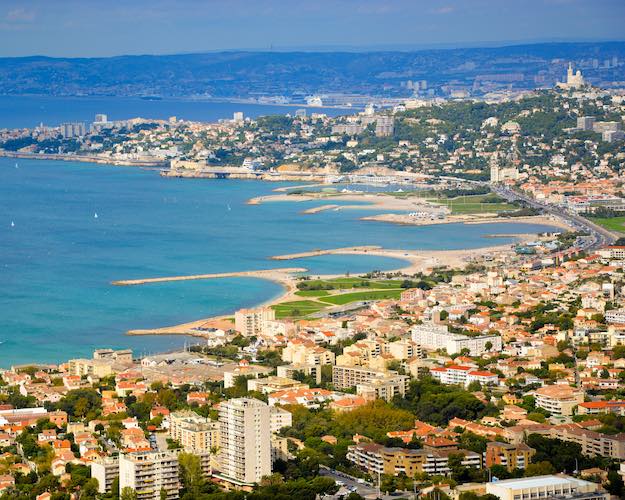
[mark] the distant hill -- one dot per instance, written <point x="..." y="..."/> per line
<point x="250" y="74"/>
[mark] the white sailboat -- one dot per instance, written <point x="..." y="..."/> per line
<point x="12" y="224"/>
<point x="95" y="215"/>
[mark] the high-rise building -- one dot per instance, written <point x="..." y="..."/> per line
<point x="150" y="472"/>
<point x="105" y="470"/>
<point x="245" y="440"/>
<point x="70" y="130"/>
<point x="100" y="118"/>
<point x="384" y="126"/>
<point x="237" y="117"/>
<point x="585" y="122"/>
<point x="250" y="322"/>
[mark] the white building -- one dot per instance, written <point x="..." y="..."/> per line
<point x="105" y="470"/>
<point x="431" y="336"/>
<point x="245" y="435"/>
<point x="463" y="375"/>
<point x="555" y="486"/>
<point x="147" y="473"/>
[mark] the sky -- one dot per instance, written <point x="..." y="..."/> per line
<point x="93" y="28"/>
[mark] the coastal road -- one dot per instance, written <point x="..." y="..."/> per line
<point x="599" y="236"/>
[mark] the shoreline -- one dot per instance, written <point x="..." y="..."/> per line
<point x="83" y="159"/>
<point x="416" y="261"/>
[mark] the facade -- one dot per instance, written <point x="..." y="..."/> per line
<point x="344" y="377"/>
<point x="556" y="486"/>
<point x="251" y="322"/>
<point x="615" y="316"/>
<point x="383" y="388"/>
<point x="463" y="375"/>
<point x="431" y="336"/>
<point x="559" y="400"/>
<point x="511" y="456"/>
<point x="377" y="459"/>
<point x="245" y="451"/>
<point x="592" y="443"/>
<point x="193" y="431"/>
<point x="147" y="473"/>
<point x="105" y="470"/>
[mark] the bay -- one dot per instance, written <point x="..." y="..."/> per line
<point x="57" y="260"/>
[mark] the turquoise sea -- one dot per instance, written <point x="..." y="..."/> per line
<point x="57" y="260"/>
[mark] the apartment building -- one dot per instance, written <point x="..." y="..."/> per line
<point x="463" y="375"/>
<point x="289" y="371"/>
<point x="511" y="456"/>
<point x="270" y="384"/>
<point x="306" y="352"/>
<point x="251" y="322"/>
<point x="150" y="472"/>
<point x="245" y="434"/>
<point x="383" y="388"/>
<point x="597" y="407"/>
<point x="89" y="367"/>
<point x="344" y="377"/>
<point x="404" y="349"/>
<point x="377" y="459"/>
<point x="592" y="443"/>
<point x="559" y="399"/>
<point x="193" y="432"/>
<point x="105" y="470"/>
<point x="431" y="336"/>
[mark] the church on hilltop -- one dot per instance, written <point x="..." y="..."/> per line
<point x="574" y="80"/>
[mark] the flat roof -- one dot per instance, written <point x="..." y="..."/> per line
<point x="539" y="481"/>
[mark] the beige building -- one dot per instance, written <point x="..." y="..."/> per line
<point x="372" y="383"/>
<point x="270" y="384"/>
<point x="559" y="399"/>
<point x="251" y="322"/>
<point x="383" y="388"/>
<point x="147" y="473"/>
<point x="245" y="434"/>
<point x="193" y="432"/>
<point x="89" y="367"/>
<point x="300" y="352"/>
<point x="511" y="456"/>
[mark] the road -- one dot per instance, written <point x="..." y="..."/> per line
<point x="366" y="490"/>
<point x="599" y="236"/>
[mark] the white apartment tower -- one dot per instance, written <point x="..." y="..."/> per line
<point x="245" y="440"/>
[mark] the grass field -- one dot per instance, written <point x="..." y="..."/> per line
<point x="297" y="308"/>
<point x="475" y="204"/>
<point x="311" y="293"/>
<point x="610" y="223"/>
<point x="348" y="283"/>
<point x="346" y="298"/>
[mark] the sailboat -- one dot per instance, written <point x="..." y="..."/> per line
<point x="16" y="166"/>
<point x="12" y="224"/>
<point x="229" y="208"/>
<point x="95" y="215"/>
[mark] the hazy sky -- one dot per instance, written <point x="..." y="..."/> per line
<point x="112" y="27"/>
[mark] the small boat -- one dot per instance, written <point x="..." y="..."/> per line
<point x="12" y="224"/>
<point x="95" y="215"/>
<point x="229" y="208"/>
<point x="16" y="166"/>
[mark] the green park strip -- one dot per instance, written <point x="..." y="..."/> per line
<point x="347" y="298"/>
<point x="610" y="223"/>
<point x="297" y="308"/>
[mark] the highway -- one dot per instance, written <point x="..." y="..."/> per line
<point x="598" y="236"/>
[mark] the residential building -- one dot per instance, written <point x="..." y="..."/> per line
<point x="150" y="472"/>
<point x="511" y="456"/>
<point x="344" y="377"/>
<point x="245" y="434"/>
<point x="105" y="470"/>
<point x="193" y="431"/>
<point x="463" y="375"/>
<point x="559" y="400"/>
<point x="431" y="336"/>
<point x="251" y="322"/>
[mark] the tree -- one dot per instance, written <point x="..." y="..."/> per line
<point x="542" y="468"/>
<point x="128" y="494"/>
<point x="163" y="494"/>
<point x="191" y="475"/>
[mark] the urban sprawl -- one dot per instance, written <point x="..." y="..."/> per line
<point x="497" y="374"/>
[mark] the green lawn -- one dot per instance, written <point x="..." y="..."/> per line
<point x="348" y="283"/>
<point x="346" y="298"/>
<point x="475" y="204"/>
<point x="312" y="293"/>
<point x="610" y="223"/>
<point x="297" y="308"/>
